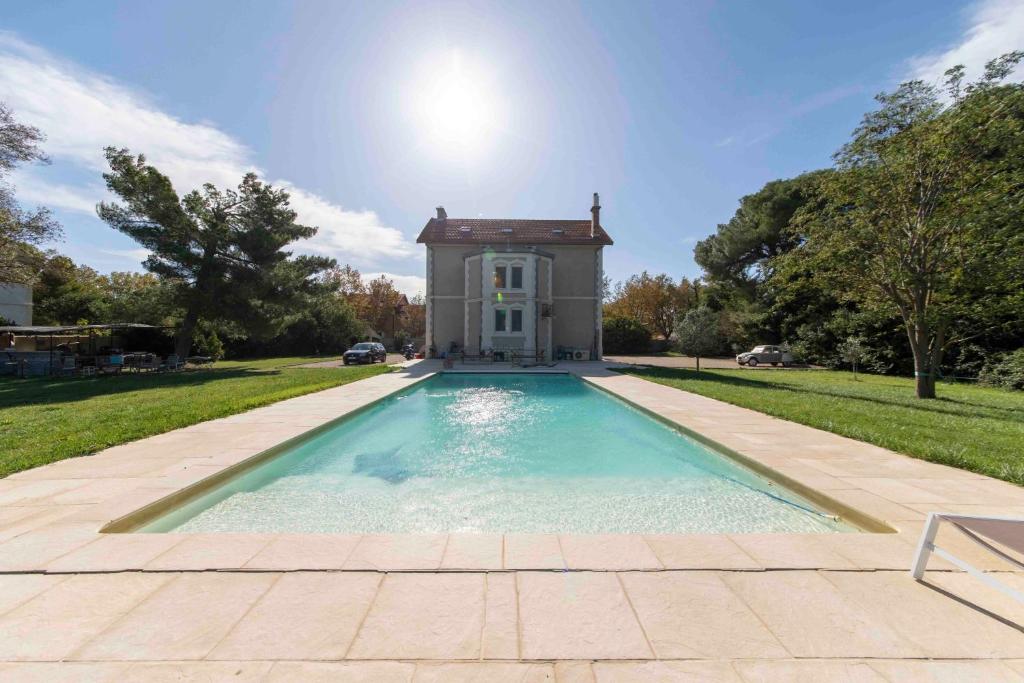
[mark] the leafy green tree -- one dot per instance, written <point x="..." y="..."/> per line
<point x="852" y="351"/>
<point x="904" y="226"/>
<point x="697" y="333"/>
<point x="20" y="230"/>
<point x="655" y="300"/>
<point x="741" y="264"/>
<point x="68" y="294"/>
<point x="624" y="335"/>
<point x="224" y="250"/>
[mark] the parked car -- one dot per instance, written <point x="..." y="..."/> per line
<point x="365" y="352"/>
<point x="765" y="354"/>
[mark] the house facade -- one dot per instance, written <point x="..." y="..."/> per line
<point x="502" y="285"/>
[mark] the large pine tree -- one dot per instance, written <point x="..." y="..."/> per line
<point x="223" y="249"/>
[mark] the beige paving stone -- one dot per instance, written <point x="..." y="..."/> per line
<point x="690" y="615"/>
<point x="20" y="520"/>
<point x="607" y="551"/>
<point x="873" y="551"/>
<point x="791" y="551"/>
<point x="16" y="589"/>
<point x="966" y="590"/>
<point x="664" y="672"/>
<point x="577" y="615"/>
<point x="210" y="551"/>
<point x="875" y="506"/>
<point x="50" y="626"/>
<point x="940" y="627"/>
<point x="114" y="552"/>
<point x="810" y="671"/>
<point x="473" y="551"/>
<point x="977" y="671"/>
<point x="896" y="490"/>
<point x="484" y="672"/>
<point x="501" y="618"/>
<point x="305" y="551"/>
<point x="533" y="551"/>
<point x="397" y="551"/>
<point x="305" y="615"/>
<point x="341" y="672"/>
<point x="424" y="616"/>
<point x="33" y="550"/>
<point x="181" y="672"/>
<point x="813" y="618"/>
<point x="185" y="619"/>
<point x="699" y="551"/>
<point x="37" y="492"/>
<point x="64" y="672"/>
<point x="573" y="672"/>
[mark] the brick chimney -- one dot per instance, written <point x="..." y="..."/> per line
<point x="595" y="216"/>
<point x="442" y="215"/>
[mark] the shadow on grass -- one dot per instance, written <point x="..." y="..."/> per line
<point x="942" y="405"/>
<point x="46" y="390"/>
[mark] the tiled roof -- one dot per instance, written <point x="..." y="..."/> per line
<point x="510" y="230"/>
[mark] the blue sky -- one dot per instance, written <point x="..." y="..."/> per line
<point x="375" y="113"/>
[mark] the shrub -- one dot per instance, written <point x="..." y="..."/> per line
<point x="205" y="342"/>
<point x="1007" y="371"/>
<point x="625" y="335"/>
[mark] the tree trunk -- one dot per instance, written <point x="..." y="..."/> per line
<point x="183" y="343"/>
<point x="698" y="363"/>
<point x="924" y="370"/>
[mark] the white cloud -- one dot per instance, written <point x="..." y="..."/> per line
<point x="993" y="28"/>
<point x="137" y="255"/>
<point x="410" y="285"/>
<point x="81" y="112"/>
<point x="33" y="189"/>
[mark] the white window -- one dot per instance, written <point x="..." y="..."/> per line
<point x="517" y="319"/>
<point x="499" y="277"/>
<point x="499" y="319"/>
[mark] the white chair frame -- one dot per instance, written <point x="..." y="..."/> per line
<point x="926" y="546"/>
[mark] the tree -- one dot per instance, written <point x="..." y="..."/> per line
<point x="625" y="335"/>
<point x="697" y="333"/>
<point x="742" y="260"/>
<point x="68" y="294"/>
<point x="656" y="301"/>
<point x="20" y="229"/>
<point x="224" y="250"/>
<point x="852" y="351"/>
<point x="916" y="210"/>
<point x="415" y="323"/>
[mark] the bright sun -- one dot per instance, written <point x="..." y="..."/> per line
<point x="456" y="107"/>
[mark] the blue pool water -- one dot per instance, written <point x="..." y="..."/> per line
<point x="499" y="453"/>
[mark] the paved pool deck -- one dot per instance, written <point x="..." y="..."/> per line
<point x="77" y="604"/>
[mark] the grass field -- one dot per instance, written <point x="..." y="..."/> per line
<point x="45" y="420"/>
<point x="970" y="427"/>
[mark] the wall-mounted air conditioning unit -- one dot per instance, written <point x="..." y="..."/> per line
<point x="581" y="354"/>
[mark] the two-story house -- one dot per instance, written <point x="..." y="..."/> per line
<point x="532" y="286"/>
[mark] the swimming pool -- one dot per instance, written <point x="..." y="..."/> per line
<point x="545" y="453"/>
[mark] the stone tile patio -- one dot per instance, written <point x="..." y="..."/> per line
<point x="77" y="604"/>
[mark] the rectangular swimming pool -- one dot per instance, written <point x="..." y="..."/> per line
<point x="541" y="453"/>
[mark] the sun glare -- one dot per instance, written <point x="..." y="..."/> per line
<point x="456" y="106"/>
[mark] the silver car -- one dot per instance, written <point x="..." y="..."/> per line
<point x="765" y="354"/>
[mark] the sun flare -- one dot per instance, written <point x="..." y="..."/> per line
<point x="456" y="107"/>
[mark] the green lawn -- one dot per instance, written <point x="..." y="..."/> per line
<point x="45" y="420"/>
<point x="974" y="428"/>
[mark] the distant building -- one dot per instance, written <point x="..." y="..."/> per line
<point x="16" y="303"/>
<point x="515" y="285"/>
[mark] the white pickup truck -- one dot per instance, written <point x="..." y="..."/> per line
<point x="765" y="354"/>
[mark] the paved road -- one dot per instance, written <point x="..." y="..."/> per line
<point x="393" y="359"/>
<point x="686" y="362"/>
